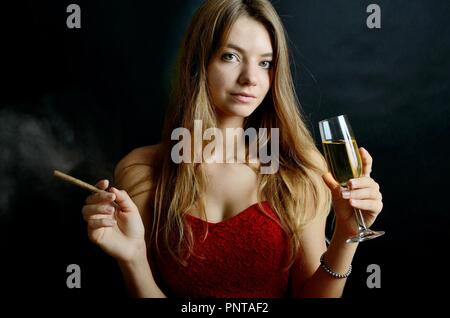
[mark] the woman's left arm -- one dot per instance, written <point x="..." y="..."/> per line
<point x="364" y="193"/>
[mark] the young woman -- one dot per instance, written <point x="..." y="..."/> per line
<point x="220" y="229"/>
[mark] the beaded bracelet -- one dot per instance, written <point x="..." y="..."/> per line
<point x="329" y="271"/>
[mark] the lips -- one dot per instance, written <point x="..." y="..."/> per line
<point x="243" y="97"/>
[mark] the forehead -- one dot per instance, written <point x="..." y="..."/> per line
<point x="250" y="35"/>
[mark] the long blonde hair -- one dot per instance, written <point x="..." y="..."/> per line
<point x="296" y="192"/>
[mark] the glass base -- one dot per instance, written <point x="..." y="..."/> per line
<point x="365" y="235"/>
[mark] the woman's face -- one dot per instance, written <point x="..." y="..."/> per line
<point x="239" y="73"/>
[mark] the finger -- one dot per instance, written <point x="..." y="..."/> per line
<point x="363" y="182"/>
<point x="367" y="160"/>
<point x="89" y="210"/>
<point x="102" y="184"/>
<point x="362" y="194"/>
<point x="367" y="205"/>
<point x="98" y="217"/>
<point x="123" y="200"/>
<point x="331" y="182"/>
<point x="98" y="223"/>
<point x="100" y="197"/>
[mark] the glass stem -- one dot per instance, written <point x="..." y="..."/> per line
<point x="360" y="220"/>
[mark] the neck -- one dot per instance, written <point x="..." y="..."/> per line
<point x="229" y="122"/>
<point x="230" y="140"/>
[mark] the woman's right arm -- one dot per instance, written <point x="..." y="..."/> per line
<point x="136" y="270"/>
<point x="139" y="279"/>
<point x="121" y="233"/>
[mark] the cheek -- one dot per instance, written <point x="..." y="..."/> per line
<point x="214" y="88"/>
<point x="216" y="78"/>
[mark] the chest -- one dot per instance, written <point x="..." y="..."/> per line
<point x="230" y="189"/>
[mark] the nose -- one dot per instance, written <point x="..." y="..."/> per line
<point x="248" y="76"/>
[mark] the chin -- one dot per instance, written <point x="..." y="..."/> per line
<point x="240" y="110"/>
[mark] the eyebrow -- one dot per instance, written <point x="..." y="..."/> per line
<point x="237" y="48"/>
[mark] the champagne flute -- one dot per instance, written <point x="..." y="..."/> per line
<point x="342" y="155"/>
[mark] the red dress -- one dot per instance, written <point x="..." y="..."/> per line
<point x="243" y="256"/>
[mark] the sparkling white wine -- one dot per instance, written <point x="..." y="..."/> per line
<point x="343" y="159"/>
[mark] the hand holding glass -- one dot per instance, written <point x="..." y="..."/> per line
<point x="342" y="155"/>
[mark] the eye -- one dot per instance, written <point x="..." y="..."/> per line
<point x="266" y="64"/>
<point x="229" y="57"/>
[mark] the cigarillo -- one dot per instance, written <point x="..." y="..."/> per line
<point x="76" y="181"/>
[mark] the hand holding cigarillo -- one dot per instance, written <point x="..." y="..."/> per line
<point x="114" y="223"/>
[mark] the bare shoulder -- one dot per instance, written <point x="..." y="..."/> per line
<point x="134" y="172"/>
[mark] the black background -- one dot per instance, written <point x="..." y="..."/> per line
<point x="80" y="99"/>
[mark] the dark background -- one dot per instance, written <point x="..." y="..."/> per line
<point x="78" y="100"/>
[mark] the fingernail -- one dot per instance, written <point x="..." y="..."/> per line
<point x="351" y="183"/>
<point x="109" y="209"/>
<point x="346" y="194"/>
<point x="110" y="222"/>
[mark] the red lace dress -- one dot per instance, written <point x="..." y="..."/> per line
<point x="243" y="256"/>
